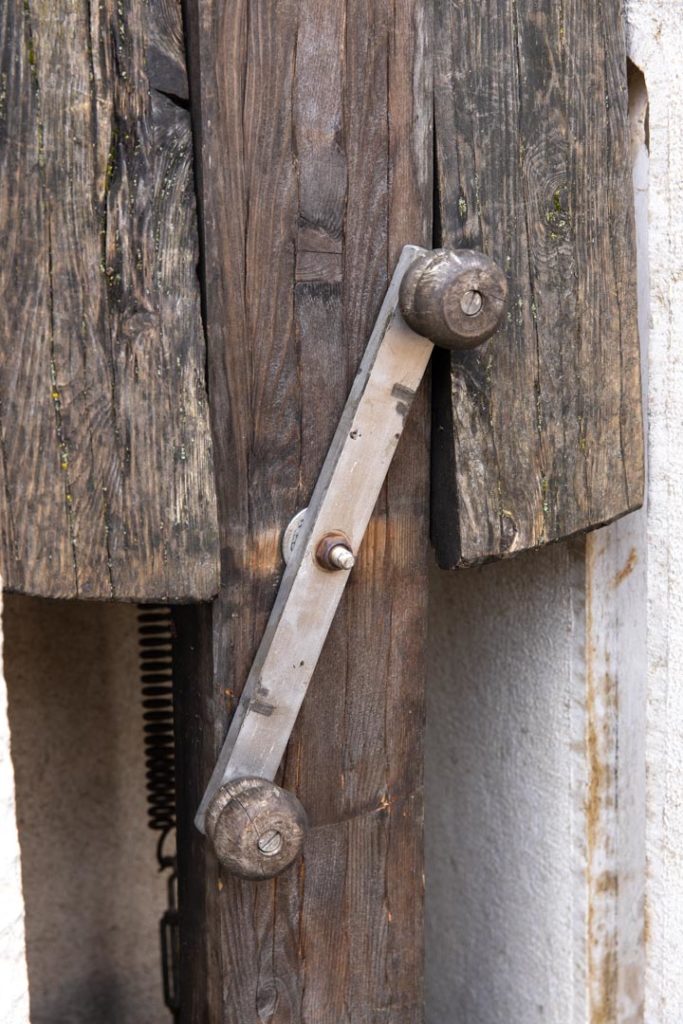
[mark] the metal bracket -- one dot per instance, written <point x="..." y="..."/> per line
<point x="459" y="299"/>
<point x="292" y="534"/>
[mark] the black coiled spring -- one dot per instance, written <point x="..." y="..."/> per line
<point x="155" y="632"/>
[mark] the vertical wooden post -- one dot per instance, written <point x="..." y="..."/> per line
<point x="313" y="132"/>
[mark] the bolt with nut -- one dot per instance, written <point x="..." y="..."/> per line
<point x="334" y="552"/>
<point x="341" y="557"/>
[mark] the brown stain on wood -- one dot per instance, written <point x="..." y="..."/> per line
<point x="538" y="433"/>
<point x="106" y="474"/>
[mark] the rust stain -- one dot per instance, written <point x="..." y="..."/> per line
<point x="603" y="882"/>
<point x="626" y="571"/>
<point x="595" y="767"/>
<point x="602" y="945"/>
<point x="605" y="1009"/>
<point x="607" y="882"/>
<point x="646" y="922"/>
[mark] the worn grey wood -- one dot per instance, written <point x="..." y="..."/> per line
<point x="538" y="434"/>
<point x="106" y="478"/>
<point x="313" y="125"/>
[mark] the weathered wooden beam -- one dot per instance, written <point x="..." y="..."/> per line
<point x="538" y="434"/>
<point x="106" y="479"/>
<point x="314" y="151"/>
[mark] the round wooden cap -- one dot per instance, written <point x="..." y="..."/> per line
<point x="257" y="829"/>
<point x="455" y="297"/>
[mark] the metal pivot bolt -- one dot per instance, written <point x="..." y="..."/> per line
<point x="257" y="828"/>
<point x="335" y="552"/>
<point x="454" y="299"/>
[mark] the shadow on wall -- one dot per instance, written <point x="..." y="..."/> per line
<point x="500" y="789"/>
<point x="93" y="896"/>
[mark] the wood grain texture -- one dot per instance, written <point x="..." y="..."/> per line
<point x="314" y="127"/>
<point x="107" y="484"/>
<point x="538" y="434"/>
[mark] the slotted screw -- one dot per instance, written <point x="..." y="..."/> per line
<point x="270" y="842"/>
<point x="471" y="303"/>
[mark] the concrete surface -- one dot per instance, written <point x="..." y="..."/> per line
<point x="93" y="896"/>
<point x="13" y="975"/>
<point x="656" y="43"/>
<point x="503" y="910"/>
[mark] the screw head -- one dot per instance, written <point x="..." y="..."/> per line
<point x="270" y="843"/>
<point x="471" y="303"/>
<point x="256" y="828"/>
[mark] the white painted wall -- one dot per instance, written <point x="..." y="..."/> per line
<point x="13" y="974"/>
<point x="656" y="42"/>
<point x="505" y="896"/>
<point x="93" y="893"/>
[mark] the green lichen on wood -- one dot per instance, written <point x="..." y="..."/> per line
<point x="557" y="217"/>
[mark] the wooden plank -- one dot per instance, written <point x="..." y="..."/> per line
<point x="324" y="110"/>
<point x="105" y="455"/>
<point x="538" y="434"/>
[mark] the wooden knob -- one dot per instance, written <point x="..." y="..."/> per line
<point x="257" y="829"/>
<point x="454" y="297"/>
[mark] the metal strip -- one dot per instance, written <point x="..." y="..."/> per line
<point x="343" y="500"/>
